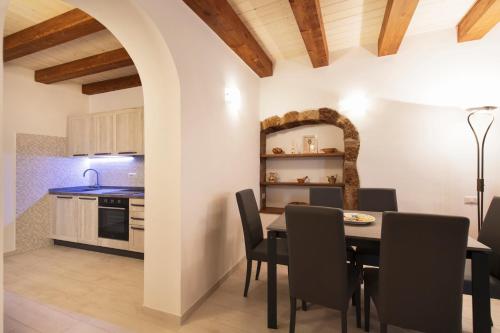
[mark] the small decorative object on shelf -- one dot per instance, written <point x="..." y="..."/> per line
<point x="294" y="149"/>
<point x="329" y="150"/>
<point x="310" y="143"/>
<point x="273" y="177"/>
<point x="302" y="180"/>
<point x="278" y="150"/>
<point x="332" y="179"/>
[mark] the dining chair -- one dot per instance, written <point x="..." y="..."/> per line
<point x="326" y="197"/>
<point x="318" y="268"/>
<point x="255" y="244"/>
<point x="413" y="289"/>
<point x="374" y="200"/>
<point x="490" y="236"/>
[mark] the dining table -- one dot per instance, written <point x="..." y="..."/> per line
<point x="369" y="235"/>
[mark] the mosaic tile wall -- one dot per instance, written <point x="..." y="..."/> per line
<point x="40" y="164"/>
<point x="116" y="171"/>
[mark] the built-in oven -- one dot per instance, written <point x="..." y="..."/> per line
<point x="114" y="218"/>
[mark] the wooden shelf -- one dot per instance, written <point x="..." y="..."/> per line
<point x="319" y="155"/>
<point x="273" y="210"/>
<point x="301" y="184"/>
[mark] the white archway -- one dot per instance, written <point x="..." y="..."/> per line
<point x="162" y="106"/>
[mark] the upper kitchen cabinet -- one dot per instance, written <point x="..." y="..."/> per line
<point x="129" y="125"/>
<point x="79" y="134"/>
<point x="103" y="138"/>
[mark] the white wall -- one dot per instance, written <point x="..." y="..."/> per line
<point x="414" y="135"/>
<point x="220" y="147"/>
<point x="31" y="108"/>
<point x="116" y="100"/>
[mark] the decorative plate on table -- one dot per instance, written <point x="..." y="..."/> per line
<point x="357" y="218"/>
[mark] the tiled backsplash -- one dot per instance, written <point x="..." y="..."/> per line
<point x="125" y="171"/>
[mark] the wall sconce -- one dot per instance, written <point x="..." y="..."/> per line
<point x="354" y="105"/>
<point x="480" y="121"/>
<point x="232" y="96"/>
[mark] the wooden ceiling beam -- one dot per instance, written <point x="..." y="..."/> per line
<point x="111" y="85"/>
<point x="397" y="18"/>
<point x="310" y="21"/>
<point x="479" y="20"/>
<point x="223" y="20"/>
<point x="57" y="30"/>
<point x="91" y="65"/>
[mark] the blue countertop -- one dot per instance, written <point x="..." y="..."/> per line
<point x="102" y="191"/>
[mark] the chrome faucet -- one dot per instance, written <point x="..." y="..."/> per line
<point x="96" y="185"/>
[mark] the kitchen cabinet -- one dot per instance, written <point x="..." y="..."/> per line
<point x="136" y="225"/>
<point x="79" y="133"/>
<point x="87" y="216"/>
<point x="129" y="126"/>
<point x="103" y="136"/>
<point x="64" y="223"/>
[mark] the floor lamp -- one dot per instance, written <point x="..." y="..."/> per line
<point x="487" y="112"/>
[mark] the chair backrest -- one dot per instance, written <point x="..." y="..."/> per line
<point x="422" y="263"/>
<point x="317" y="255"/>
<point x="250" y="219"/>
<point x="326" y="197"/>
<point x="377" y="199"/>
<point x="490" y="235"/>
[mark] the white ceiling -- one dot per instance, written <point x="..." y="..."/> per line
<point x="348" y="23"/>
<point x="22" y="14"/>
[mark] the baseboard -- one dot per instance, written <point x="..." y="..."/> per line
<point x="170" y="320"/>
<point x="95" y="248"/>
<point x="185" y="316"/>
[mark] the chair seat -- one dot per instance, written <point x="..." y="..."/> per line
<point x="494" y="282"/>
<point x="259" y="252"/>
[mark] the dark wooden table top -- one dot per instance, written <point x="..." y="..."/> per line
<point x="370" y="231"/>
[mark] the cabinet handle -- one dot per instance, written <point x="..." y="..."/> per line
<point x="136" y="205"/>
<point x="137" y="228"/>
<point x="102" y="154"/>
<point x="79" y="155"/>
<point x="61" y="197"/>
<point x="92" y="199"/>
<point x="127" y="152"/>
<point x="113" y="208"/>
<point x="137" y="218"/>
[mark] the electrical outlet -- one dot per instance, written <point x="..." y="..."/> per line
<point x="470" y="200"/>
<point x="132" y="175"/>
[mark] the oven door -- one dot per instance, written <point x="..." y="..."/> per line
<point x="113" y="223"/>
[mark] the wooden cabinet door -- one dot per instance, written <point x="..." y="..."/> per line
<point x="103" y="133"/>
<point x="130" y="132"/>
<point x="136" y="238"/>
<point x="88" y="216"/>
<point x="64" y="219"/>
<point x="79" y="135"/>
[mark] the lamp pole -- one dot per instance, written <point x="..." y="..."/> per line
<point x="488" y="110"/>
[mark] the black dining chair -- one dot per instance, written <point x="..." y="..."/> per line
<point x="318" y="269"/>
<point x="255" y="244"/>
<point x="419" y="283"/>
<point x="374" y="200"/>
<point x="326" y="197"/>
<point x="490" y="236"/>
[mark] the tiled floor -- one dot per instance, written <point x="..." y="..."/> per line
<point x="67" y="290"/>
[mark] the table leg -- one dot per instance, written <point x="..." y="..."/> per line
<point x="481" y="312"/>
<point x="271" y="281"/>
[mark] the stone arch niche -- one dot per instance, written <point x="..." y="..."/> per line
<point x="324" y="116"/>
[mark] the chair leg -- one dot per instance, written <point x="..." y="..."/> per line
<point x="383" y="328"/>
<point x="344" y="321"/>
<point x="258" y="270"/>
<point x="357" y="295"/>
<point x="247" y="280"/>
<point x="293" y="313"/>
<point x="304" y="305"/>
<point x="367" y="309"/>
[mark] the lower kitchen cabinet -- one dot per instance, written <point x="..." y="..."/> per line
<point x="136" y="238"/>
<point x="87" y="215"/>
<point x="64" y="223"/>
